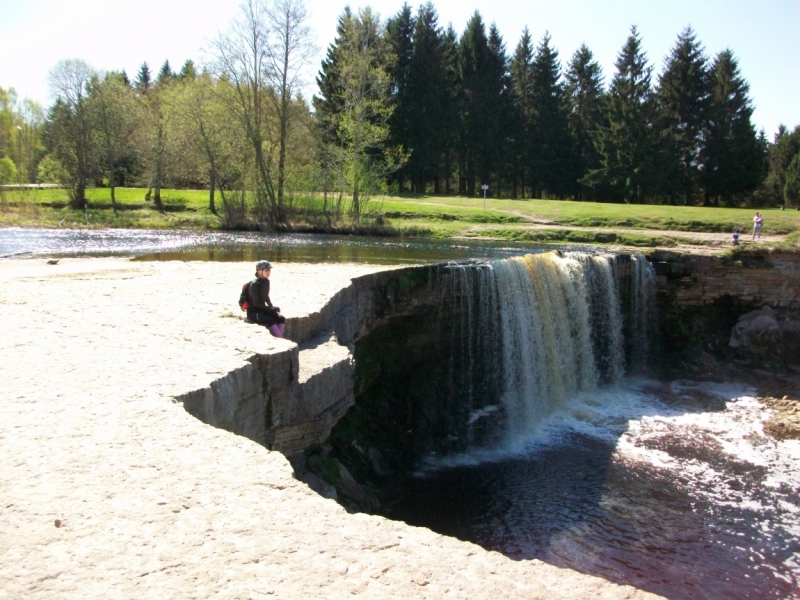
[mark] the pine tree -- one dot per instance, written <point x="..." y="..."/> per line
<point x="521" y="68"/>
<point x="734" y="159"/>
<point x="143" y="78"/>
<point x="583" y="94"/>
<point x="551" y="155"/>
<point x="683" y="98"/>
<point x="625" y="143"/>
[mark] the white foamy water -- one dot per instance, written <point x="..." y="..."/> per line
<point x="672" y="488"/>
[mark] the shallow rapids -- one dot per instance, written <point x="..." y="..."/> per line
<point x="673" y="488"/>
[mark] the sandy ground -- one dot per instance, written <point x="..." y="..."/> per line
<point x="110" y="489"/>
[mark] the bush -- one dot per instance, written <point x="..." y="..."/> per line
<point x="8" y="171"/>
<point x="50" y="170"/>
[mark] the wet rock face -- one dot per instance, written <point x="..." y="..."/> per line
<point x="768" y="337"/>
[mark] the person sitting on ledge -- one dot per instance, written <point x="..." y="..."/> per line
<point x="260" y="309"/>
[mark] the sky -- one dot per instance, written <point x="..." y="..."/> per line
<point x="121" y="34"/>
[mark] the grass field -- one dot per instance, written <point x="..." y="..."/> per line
<point x="426" y="216"/>
<point x="592" y="214"/>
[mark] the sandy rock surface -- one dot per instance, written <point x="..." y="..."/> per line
<point x="109" y="489"/>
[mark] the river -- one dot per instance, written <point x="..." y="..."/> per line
<point x="669" y="486"/>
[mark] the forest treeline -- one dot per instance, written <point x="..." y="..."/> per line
<point x="402" y="105"/>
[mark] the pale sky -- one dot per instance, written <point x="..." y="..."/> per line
<point x="121" y="34"/>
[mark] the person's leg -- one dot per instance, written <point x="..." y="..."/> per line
<point x="281" y="327"/>
<point x="275" y="331"/>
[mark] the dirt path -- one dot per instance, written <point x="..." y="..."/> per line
<point x="706" y="238"/>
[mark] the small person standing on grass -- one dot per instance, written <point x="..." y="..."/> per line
<point x="735" y="237"/>
<point x="260" y="309"/>
<point x="758" y="221"/>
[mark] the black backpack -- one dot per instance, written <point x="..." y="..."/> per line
<point x="244" y="297"/>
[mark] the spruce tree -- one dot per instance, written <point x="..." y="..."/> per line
<point x="429" y="101"/>
<point x="683" y="98"/>
<point x="734" y="159"/>
<point x="625" y="143"/>
<point x="451" y="123"/>
<point x="399" y="34"/>
<point x="143" y="78"/>
<point x="791" y="189"/>
<point x="521" y="68"/>
<point x="165" y="75"/>
<point x="188" y="71"/>
<point x="475" y="68"/>
<point x="551" y="155"/>
<point x="785" y="146"/>
<point x="500" y="117"/>
<point x="329" y="104"/>
<point x="584" y="98"/>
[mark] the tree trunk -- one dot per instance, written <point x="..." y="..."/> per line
<point x="211" y="206"/>
<point x="113" y="194"/>
<point x="284" y="123"/>
<point x="159" y="168"/>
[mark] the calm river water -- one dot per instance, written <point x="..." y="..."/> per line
<point x="670" y="487"/>
<point x="218" y="246"/>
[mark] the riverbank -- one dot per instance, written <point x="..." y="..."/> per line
<point x="111" y="489"/>
<point x="703" y="229"/>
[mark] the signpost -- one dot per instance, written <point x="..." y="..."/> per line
<point x="484" y="187"/>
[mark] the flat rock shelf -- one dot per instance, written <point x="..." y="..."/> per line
<point x="111" y="489"/>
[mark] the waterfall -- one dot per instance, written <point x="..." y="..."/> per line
<point x="643" y="310"/>
<point x="530" y="332"/>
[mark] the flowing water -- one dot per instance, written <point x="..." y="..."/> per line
<point x="673" y="488"/>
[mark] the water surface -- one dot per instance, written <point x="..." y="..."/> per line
<point x="153" y="244"/>
<point x="672" y="490"/>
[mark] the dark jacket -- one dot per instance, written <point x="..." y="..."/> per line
<point x="259" y="293"/>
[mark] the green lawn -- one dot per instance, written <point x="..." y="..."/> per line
<point x="592" y="214"/>
<point x="424" y="216"/>
<point x="190" y="198"/>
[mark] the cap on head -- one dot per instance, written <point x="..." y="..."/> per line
<point x="263" y="264"/>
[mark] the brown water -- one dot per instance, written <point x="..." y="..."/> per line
<point x="678" y="494"/>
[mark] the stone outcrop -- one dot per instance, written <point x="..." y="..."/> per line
<point x="290" y="400"/>
<point x="769" y="337"/>
<point x="701" y="299"/>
